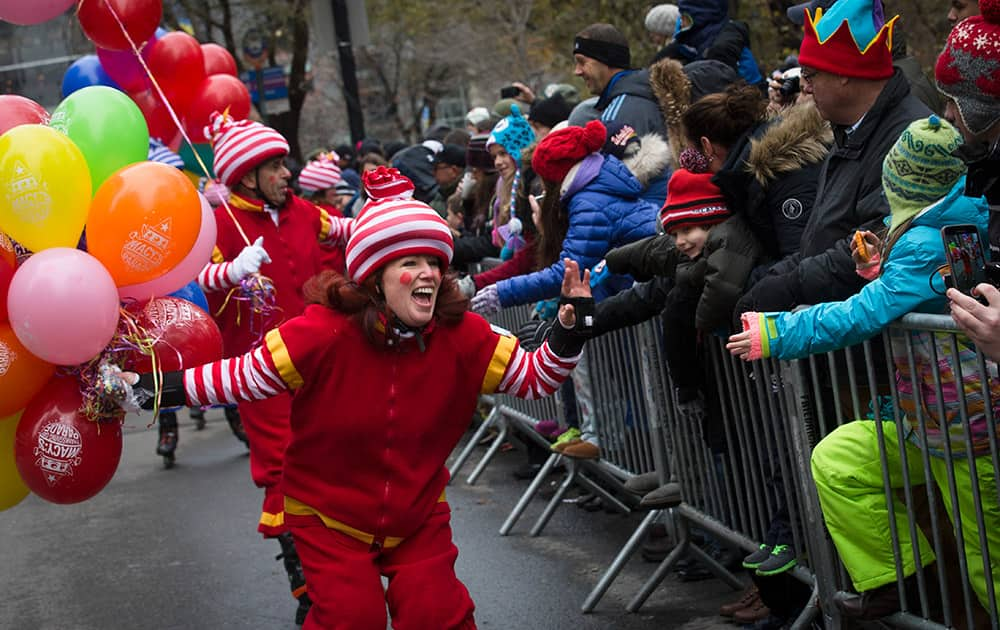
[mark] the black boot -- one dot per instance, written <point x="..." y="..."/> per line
<point x="168" y="437"/>
<point x="198" y="416"/>
<point x="296" y="578"/>
<point x="233" y="418"/>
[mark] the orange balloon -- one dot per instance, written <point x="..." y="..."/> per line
<point x="22" y="374"/>
<point x="143" y="221"/>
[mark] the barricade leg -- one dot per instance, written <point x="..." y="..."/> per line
<point x="492" y="451"/>
<point x="619" y="562"/>
<point x="529" y="494"/>
<point x="463" y="457"/>
<point x="571" y="474"/>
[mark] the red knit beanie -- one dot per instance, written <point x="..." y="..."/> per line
<point x="968" y="69"/>
<point x="559" y="151"/>
<point x="692" y="200"/>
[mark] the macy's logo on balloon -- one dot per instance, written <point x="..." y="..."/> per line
<point x="28" y="198"/>
<point x="58" y="450"/>
<point x="146" y="248"/>
<point x="7" y="357"/>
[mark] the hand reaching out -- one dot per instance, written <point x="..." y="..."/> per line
<point x="573" y="286"/>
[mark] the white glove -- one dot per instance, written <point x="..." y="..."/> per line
<point x="248" y="261"/>
<point x="467" y="286"/>
<point x="486" y="301"/>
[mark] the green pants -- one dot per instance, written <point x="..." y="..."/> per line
<point x="848" y="475"/>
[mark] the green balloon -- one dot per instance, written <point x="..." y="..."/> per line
<point x="107" y="127"/>
<point x="204" y="151"/>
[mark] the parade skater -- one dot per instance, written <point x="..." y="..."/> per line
<point x="386" y="367"/>
<point x="250" y="160"/>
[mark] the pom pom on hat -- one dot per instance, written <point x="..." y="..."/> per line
<point x="393" y="229"/>
<point x="920" y="168"/>
<point x="513" y="133"/>
<point x="692" y="200"/>
<point x="241" y="145"/>
<point x="556" y="154"/>
<point x="384" y="183"/>
<point x="320" y="174"/>
<point x="968" y="69"/>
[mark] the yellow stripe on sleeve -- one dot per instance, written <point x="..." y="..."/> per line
<point x="282" y="360"/>
<point x="217" y="256"/>
<point x="325" y="224"/>
<point x="498" y="364"/>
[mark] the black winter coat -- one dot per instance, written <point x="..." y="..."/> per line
<point x="849" y="197"/>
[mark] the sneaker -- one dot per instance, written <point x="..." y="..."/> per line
<point x="782" y="558"/>
<point x="582" y="450"/>
<point x="569" y="435"/>
<point x="755" y="559"/>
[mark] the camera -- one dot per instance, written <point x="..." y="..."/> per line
<point x="790" y="86"/>
<point x="509" y="92"/>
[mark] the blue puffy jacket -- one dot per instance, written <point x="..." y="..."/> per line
<point x="605" y="211"/>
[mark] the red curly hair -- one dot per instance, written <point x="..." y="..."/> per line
<point x="364" y="302"/>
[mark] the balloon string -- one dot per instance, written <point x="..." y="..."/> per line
<point x="170" y="110"/>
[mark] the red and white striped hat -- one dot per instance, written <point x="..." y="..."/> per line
<point x="393" y="229"/>
<point x="320" y="174"/>
<point x="386" y="183"/>
<point x="241" y="145"/>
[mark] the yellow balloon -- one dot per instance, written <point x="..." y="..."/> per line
<point x="45" y="188"/>
<point x="12" y="489"/>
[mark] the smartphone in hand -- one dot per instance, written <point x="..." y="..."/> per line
<point x="963" y="250"/>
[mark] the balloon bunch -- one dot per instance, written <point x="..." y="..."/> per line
<point x="93" y="239"/>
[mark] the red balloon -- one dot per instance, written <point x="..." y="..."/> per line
<point x="178" y="64"/>
<point x="218" y="60"/>
<point x="140" y="18"/>
<point x="62" y="456"/>
<point x="185" y="335"/>
<point x="215" y="94"/>
<point x="16" y="110"/>
<point x="158" y="119"/>
<point x="8" y="263"/>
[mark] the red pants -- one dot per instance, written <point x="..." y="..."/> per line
<point x="267" y="424"/>
<point x="345" y="585"/>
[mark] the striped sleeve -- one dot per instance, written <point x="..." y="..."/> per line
<point x="333" y="230"/>
<point x="252" y="376"/>
<point x="217" y="277"/>
<point x="535" y="374"/>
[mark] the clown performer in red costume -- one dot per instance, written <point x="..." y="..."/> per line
<point x="250" y="160"/>
<point x="393" y="349"/>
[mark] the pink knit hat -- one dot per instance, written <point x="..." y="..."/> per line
<point x="320" y="174"/>
<point x="241" y="145"/>
<point x="393" y="229"/>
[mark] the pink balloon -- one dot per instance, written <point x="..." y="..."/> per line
<point x="186" y="270"/>
<point x="34" y="12"/>
<point x="63" y="306"/>
<point x="124" y="68"/>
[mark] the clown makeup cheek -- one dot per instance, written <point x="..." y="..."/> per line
<point x="405" y="278"/>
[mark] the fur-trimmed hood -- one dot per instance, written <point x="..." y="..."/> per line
<point x="800" y="137"/>
<point x="676" y="86"/>
<point x="650" y="160"/>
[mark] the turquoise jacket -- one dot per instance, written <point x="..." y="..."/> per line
<point x="909" y="282"/>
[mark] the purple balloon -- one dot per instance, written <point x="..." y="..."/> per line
<point x="123" y="67"/>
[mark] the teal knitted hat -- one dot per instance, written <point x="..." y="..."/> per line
<point x="920" y="168"/>
<point x="513" y="133"/>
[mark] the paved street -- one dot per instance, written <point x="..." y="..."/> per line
<point x="170" y="549"/>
